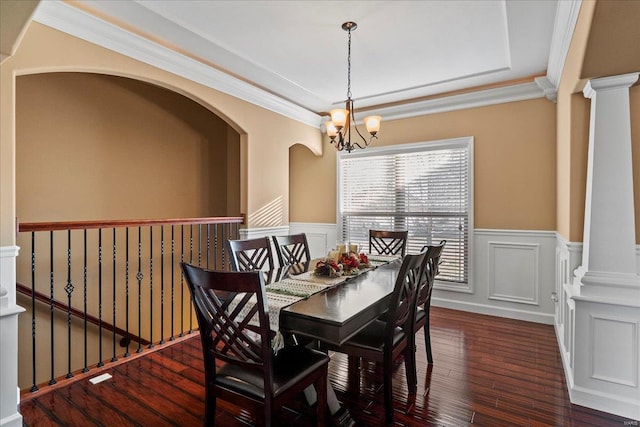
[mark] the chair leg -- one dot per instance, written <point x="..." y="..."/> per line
<point x="410" y="368"/>
<point x="210" y="410"/>
<point x="427" y="342"/>
<point x="388" y="391"/>
<point x="322" y="409"/>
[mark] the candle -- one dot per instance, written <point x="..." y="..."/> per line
<point x="342" y="249"/>
<point x="334" y="255"/>
<point x="353" y="248"/>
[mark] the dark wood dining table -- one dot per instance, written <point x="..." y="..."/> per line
<point x="336" y="314"/>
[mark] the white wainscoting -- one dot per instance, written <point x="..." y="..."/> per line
<point x="599" y="340"/>
<point x="511" y="275"/>
<point x="320" y="236"/>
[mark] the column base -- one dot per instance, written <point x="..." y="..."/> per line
<point x="621" y="288"/>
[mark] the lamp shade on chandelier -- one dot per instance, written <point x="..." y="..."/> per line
<point x="343" y="121"/>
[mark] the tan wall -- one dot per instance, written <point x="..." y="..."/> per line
<point x="604" y="43"/>
<point x="99" y="147"/>
<point x="265" y="137"/>
<point x="514" y="151"/>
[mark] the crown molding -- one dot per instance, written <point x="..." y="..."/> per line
<point x="68" y="19"/>
<point x="482" y="98"/>
<point x="71" y="20"/>
<point x="566" y="17"/>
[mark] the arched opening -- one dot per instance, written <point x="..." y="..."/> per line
<point x="93" y="146"/>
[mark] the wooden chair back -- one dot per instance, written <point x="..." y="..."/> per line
<point x="250" y="255"/>
<point x="388" y="242"/>
<point x="430" y="272"/>
<point x="403" y="300"/>
<point x="233" y="317"/>
<point x="292" y="249"/>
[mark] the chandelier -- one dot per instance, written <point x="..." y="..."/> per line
<point x="342" y="120"/>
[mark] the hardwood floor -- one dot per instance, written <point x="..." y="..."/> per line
<point x="487" y="371"/>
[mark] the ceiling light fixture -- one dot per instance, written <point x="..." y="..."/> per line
<point x="343" y="120"/>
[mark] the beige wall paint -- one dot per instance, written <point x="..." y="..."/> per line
<point x="514" y="148"/>
<point x="265" y="137"/>
<point x="604" y="44"/>
<point x="100" y="147"/>
<point x="573" y="132"/>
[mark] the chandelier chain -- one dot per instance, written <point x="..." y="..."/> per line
<point x="349" y="67"/>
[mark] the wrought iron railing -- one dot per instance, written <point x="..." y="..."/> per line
<point x="86" y="283"/>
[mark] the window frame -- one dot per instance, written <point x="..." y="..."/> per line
<point x="461" y="142"/>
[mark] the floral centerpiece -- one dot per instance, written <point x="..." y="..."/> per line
<point x="328" y="267"/>
<point x="345" y="264"/>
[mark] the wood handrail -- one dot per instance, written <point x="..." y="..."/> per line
<point x="80" y="225"/>
<point x="25" y="290"/>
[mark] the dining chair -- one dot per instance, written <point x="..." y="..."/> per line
<point x="232" y="313"/>
<point x="423" y="301"/>
<point x="252" y="254"/>
<point x="292" y="249"/>
<point x="385" y="340"/>
<point x="388" y="242"/>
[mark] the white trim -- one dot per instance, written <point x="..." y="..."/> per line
<point x="492" y="292"/>
<point x="607" y="402"/>
<point x="528" y="233"/>
<point x="565" y="23"/>
<point x="481" y="98"/>
<point x="254" y="233"/>
<point x="549" y="89"/>
<point x="66" y="18"/>
<point x="9" y="251"/>
<point x="71" y="20"/>
<point x="492" y="310"/>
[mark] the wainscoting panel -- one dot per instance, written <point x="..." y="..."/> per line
<point x="513" y="272"/>
<point x="614" y="350"/>
<point x="320" y="236"/>
<point x="599" y="340"/>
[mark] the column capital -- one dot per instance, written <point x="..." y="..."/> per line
<point x="613" y="82"/>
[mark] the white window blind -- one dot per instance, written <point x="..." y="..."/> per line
<point x="422" y="188"/>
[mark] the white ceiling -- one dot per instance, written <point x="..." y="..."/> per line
<point x="297" y="50"/>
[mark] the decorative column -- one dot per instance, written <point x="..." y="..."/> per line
<point x="9" y="311"/>
<point x="606" y="332"/>
<point x="609" y="248"/>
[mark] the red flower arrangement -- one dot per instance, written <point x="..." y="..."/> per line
<point x="327" y="267"/>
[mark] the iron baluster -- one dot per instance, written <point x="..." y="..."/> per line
<point x="114" y="358"/>
<point x="139" y="276"/>
<point x="84" y="298"/>
<point x="181" y="282"/>
<point x="126" y="293"/>
<point x="51" y="305"/>
<point x="190" y="262"/>
<point x="150" y="287"/>
<point x="100" y="362"/>
<point x="34" y="387"/>
<point x="208" y="245"/>
<point x="215" y="246"/>
<point x="172" y="280"/>
<point x="69" y="290"/>
<point x="162" y="284"/>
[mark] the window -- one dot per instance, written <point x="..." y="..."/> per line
<point x="423" y="188"/>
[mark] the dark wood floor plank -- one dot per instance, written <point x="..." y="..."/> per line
<point x="488" y="371"/>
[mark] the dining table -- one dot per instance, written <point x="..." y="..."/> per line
<point x="342" y="307"/>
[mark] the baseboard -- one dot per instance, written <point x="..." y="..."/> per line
<point x="491" y="310"/>
<point x="613" y="404"/>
